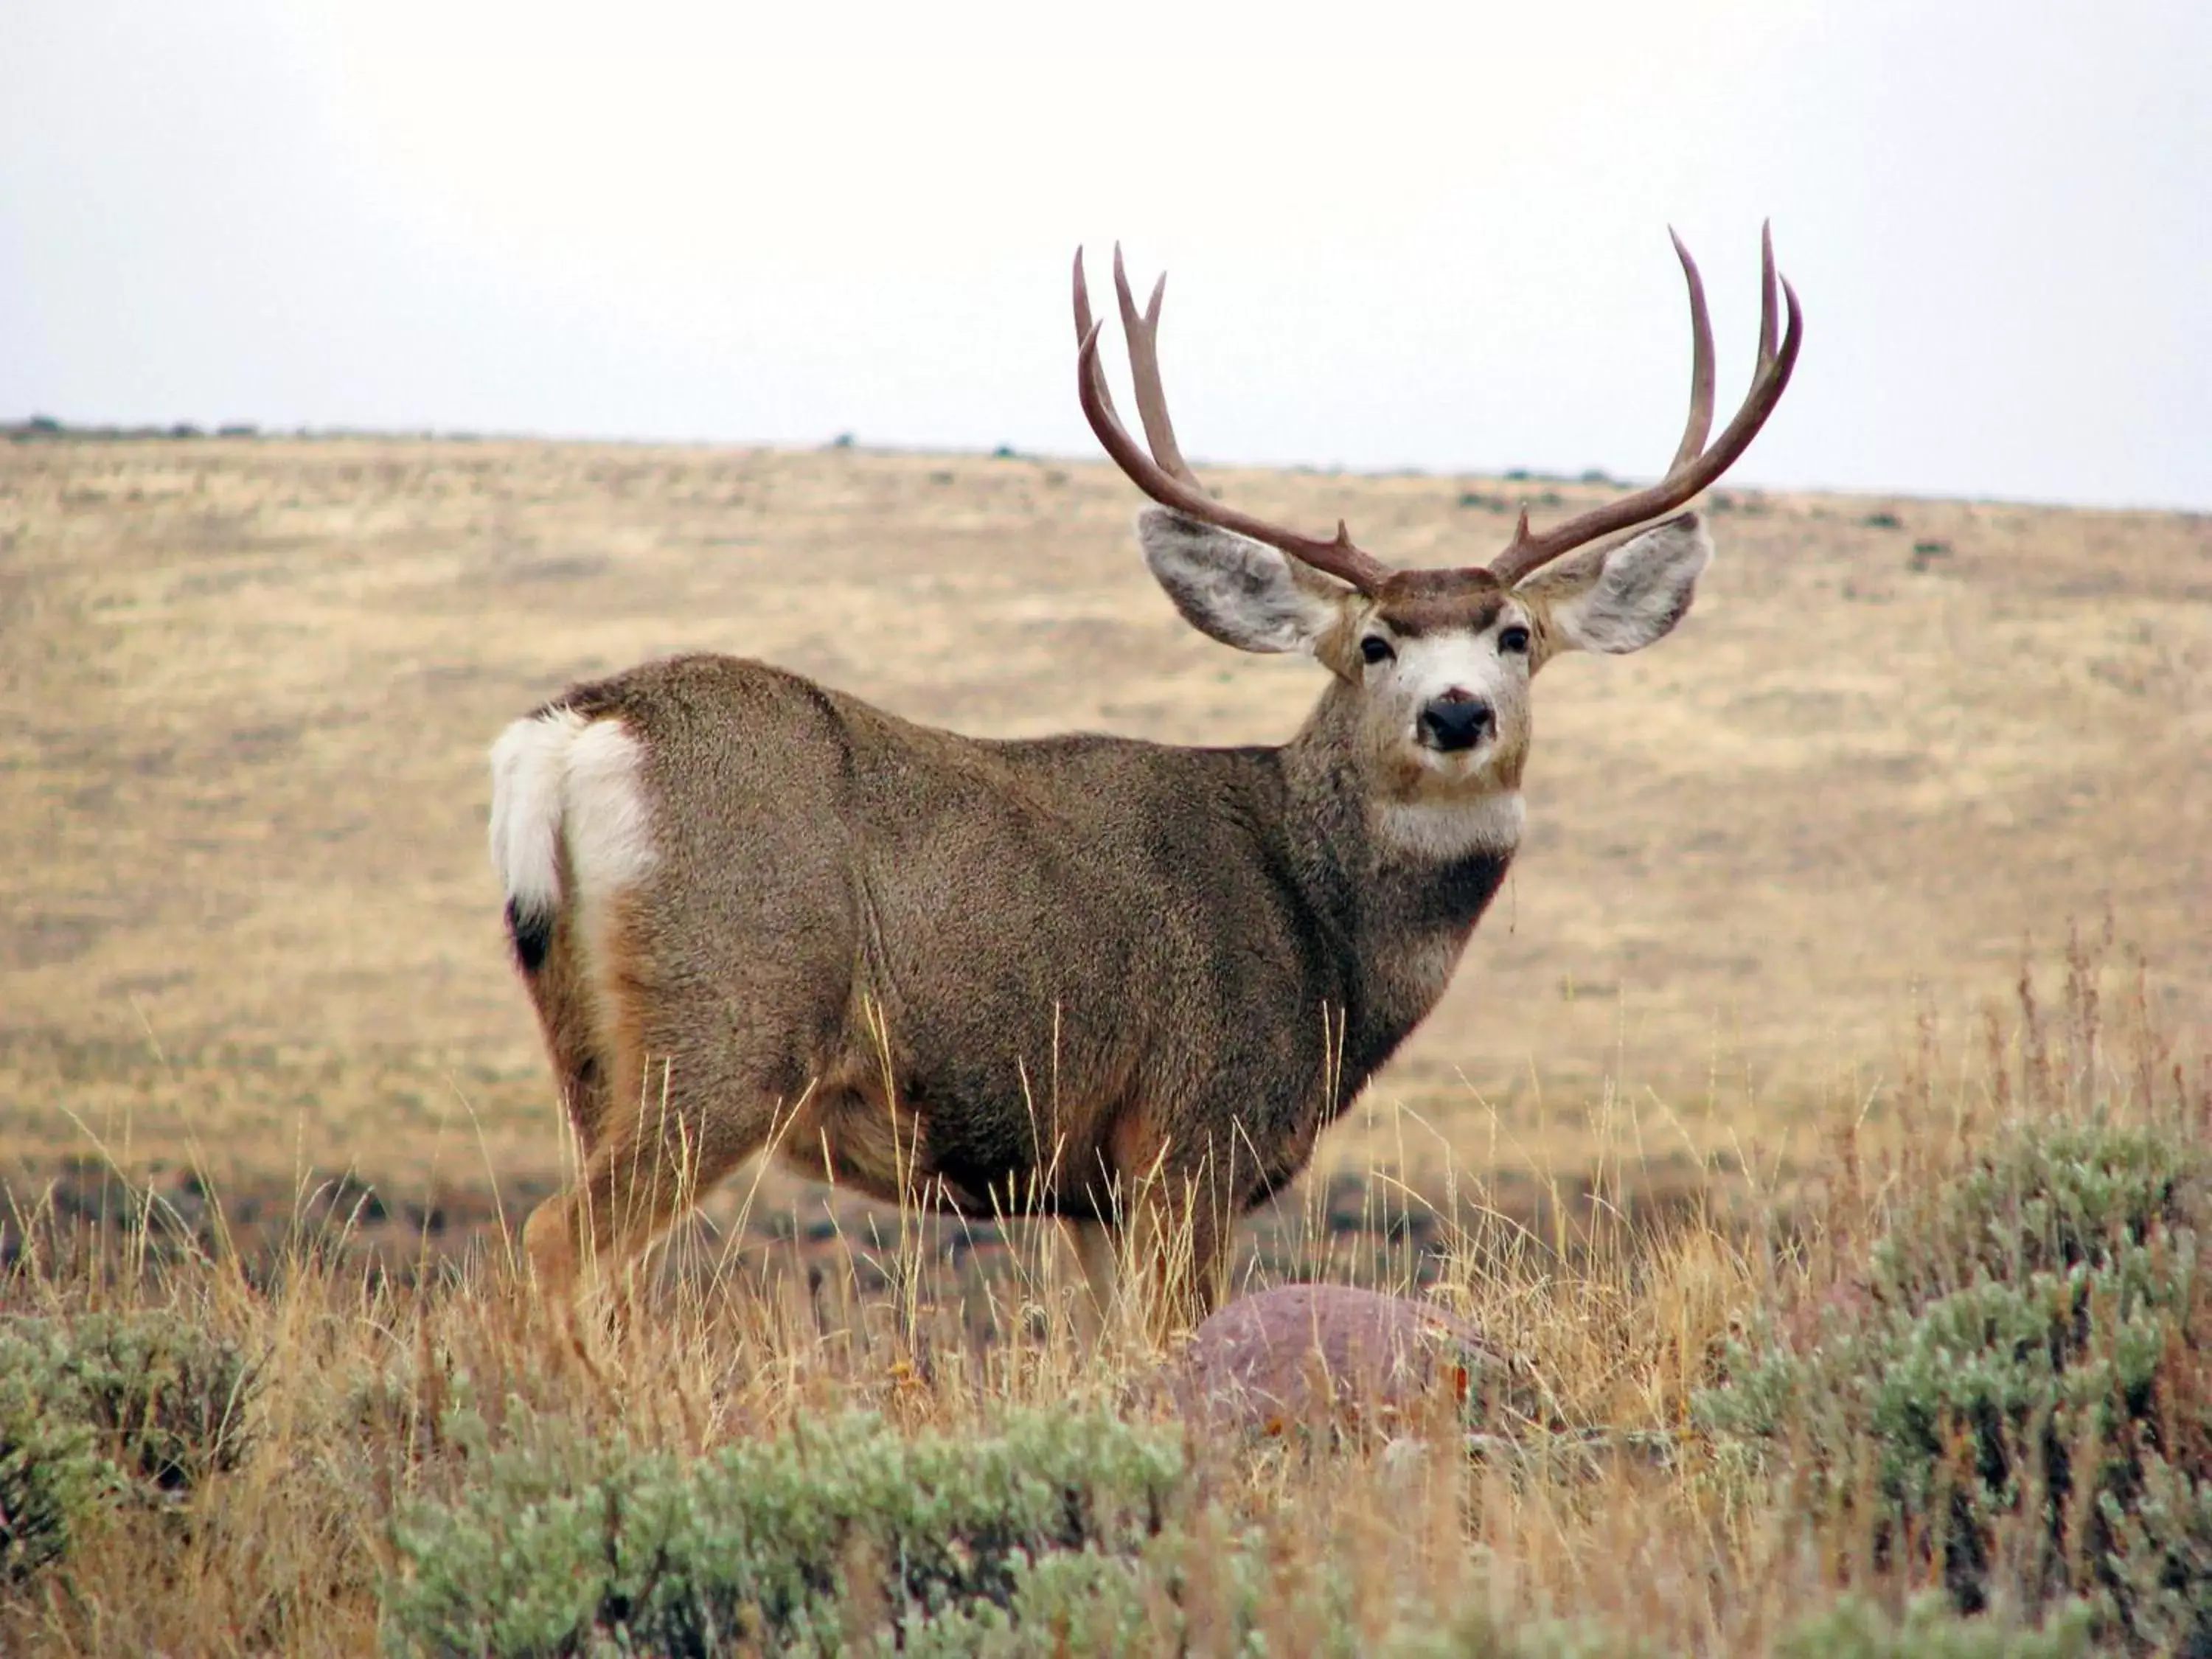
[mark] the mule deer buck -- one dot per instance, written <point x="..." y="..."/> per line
<point x="1119" y="982"/>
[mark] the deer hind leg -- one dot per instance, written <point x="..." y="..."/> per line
<point x="652" y="1163"/>
<point x="566" y="1017"/>
<point x="682" y="1095"/>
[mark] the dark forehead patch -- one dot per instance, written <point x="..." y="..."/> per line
<point x="1417" y="602"/>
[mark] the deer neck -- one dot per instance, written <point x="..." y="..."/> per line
<point x="1399" y="868"/>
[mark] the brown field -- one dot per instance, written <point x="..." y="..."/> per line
<point x="247" y="688"/>
<point x="1779" y="869"/>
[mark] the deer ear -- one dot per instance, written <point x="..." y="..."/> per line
<point x="1240" y="592"/>
<point x="1622" y="598"/>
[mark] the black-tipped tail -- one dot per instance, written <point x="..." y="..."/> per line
<point x="532" y="932"/>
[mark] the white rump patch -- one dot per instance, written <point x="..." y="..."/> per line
<point x="558" y="774"/>
<point x="1442" y="831"/>
<point x="609" y="829"/>
<point x="529" y="770"/>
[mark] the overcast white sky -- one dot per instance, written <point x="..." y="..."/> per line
<point x="1400" y="236"/>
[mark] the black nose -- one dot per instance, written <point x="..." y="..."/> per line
<point x="1455" y="720"/>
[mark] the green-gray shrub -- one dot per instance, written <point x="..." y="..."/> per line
<point x="105" y="1407"/>
<point x="50" y="1476"/>
<point x="1854" y="1628"/>
<point x="1481" y="1635"/>
<point x="166" y="1396"/>
<point x="2003" y="1382"/>
<point x="2162" y="1556"/>
<point x="563" y="1545"/>
<point x="1065" y="1604"/>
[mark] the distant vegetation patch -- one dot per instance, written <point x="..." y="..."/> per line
<point x="48" y="429"/>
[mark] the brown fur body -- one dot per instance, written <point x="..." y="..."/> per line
<point x="1046" y="977"/>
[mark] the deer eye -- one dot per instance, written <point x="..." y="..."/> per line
<point x="1514" y="639"/>
<point x="1376" y="648"/>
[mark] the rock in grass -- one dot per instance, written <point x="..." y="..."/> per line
<point x="1331" y="1355"/>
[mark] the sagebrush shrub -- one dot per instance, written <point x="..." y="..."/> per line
<point x="104" y="1407"/>
<point x="562" y="1544"/>
<point x="1856" y="1629"/>
<point x="2162" y="1556"/>
<point x="2016" y="1383"/>
<point x="50" y="1475"/>
<point x="165" y="1395"/>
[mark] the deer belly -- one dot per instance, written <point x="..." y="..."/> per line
<point x="939" y="1154"/>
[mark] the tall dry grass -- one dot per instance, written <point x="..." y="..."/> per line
<point x="1610" y="1505"/>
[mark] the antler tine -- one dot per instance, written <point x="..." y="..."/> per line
<point x="1701" y="360"/>
<point x="1083" y="323"/>
<point x="1142" y="331"/>
<point x="1695" y="467"/>
<point x="1163" y="475"/>
<point x="1087" y="335"/>
<point x="1765" y="295"/>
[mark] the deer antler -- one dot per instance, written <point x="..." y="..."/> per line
<point x="1164" y="475"/>
<point x="1694" y="466"/>
<point x="1167" y="478"/>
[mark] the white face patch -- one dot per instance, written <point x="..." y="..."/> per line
<point x="1453" y="667"/>
<point x="1461" y="665"/>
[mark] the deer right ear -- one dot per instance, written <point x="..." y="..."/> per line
<point x="1621" y="598"/>
<point x="1232" y="588"/>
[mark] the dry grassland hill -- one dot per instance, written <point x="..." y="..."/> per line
<point x="247" y="688"/>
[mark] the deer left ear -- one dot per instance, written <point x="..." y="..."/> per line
<point x="1622" y="598"/>
<point x="1242" y="592"/>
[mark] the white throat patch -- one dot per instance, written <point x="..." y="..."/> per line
<point x="1442" y="831"/>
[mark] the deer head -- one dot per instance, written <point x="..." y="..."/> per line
<point x="1440" y="660"/>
